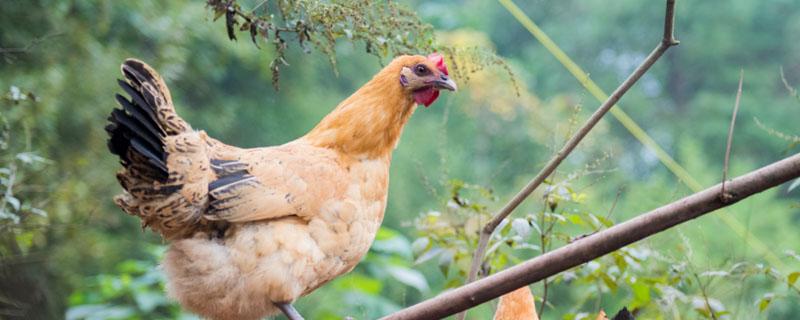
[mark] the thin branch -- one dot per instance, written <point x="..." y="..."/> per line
<point x="543" y="241"/>
<point x="792" y="91"/>
<point x="258" y="5"/>
<point x="730" y="136"/>
<point x="785" y="136"/>
<point x="667" y="41"/>
<point x="8" y="53"/>
<point x="601" y="243"/>
<point x="614" y="204"/>
<point x="705" y="295"/>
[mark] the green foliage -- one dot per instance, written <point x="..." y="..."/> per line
<point x="135" y="291"/>
<point x="20" y="174"/>
<point x="23" y="194"/>
<point x="450" y="235"/>
<point x="466" y="61"/>
<point x="19" y="163"/>
<point x="385" y="28"/>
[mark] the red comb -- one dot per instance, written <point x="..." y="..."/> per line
<point x="438" y="59"/>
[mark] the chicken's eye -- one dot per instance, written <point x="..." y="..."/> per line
<point x="421" y="70"/>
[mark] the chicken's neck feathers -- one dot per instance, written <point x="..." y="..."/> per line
<point x="370" y="121"/>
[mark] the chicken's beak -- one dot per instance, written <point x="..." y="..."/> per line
<point x="445" y="82"/>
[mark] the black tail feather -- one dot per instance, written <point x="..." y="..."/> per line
<point x="143" y="118"/>
<point x="117" y="144"/>
<point x="152" y="158"/>
<point x="135" y="128"/>
<point x="137" y="98"/>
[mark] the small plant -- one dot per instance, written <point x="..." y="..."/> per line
<point x="20" y="166"/>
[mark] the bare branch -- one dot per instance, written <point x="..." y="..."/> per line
<point x="601" y="243"/>
<point x="730" y="136"/>
<point x="10" y="53"/>
<point x="667" y="41"/>
<point x="792" y="91"/>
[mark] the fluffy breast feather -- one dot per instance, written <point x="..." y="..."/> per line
<point x="286" y="257"/>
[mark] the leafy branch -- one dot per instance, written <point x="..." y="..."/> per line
<point x="385" y="28"/>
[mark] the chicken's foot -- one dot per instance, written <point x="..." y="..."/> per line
<point x="289" y="310"/>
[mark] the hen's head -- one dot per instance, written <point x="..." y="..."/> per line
<point x="422" y="77"/>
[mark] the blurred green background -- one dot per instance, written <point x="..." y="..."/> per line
<point x="67" y="252"/>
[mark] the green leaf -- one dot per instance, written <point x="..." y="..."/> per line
<point x="4" y="214"/>
<point x="641" y="292"/>
<point x="38" y="212"/>
<point x="430" y="254"/>
<point x="575" y="219"/>
<point x="620" y="262"/>
<point x="453" y="283"/>
<point x="463" y="262"/>
<point x="445" y="260"/>
<point x="610" y="283"/>
<point x="792" y="277"/>
<point x="392" y="242"/>
<point x="147" y="301"/>
<point x="99" y="311"/>
<point x="25" y="240"/>
<point x="409" y="277"/>
<point x="385" y="233"/>
<point x="14" y="202"/>
<point x="133" y="266"/>
<point x="31" y="158"/>
<point x="371" y="305"/>
<point x="359" y="282"/>
<point x="764" y="302"/>
<point x="420" y="245"/>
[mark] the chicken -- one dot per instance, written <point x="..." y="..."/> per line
<point x="252" y="230"/>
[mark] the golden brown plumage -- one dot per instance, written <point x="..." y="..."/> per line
<point x="252" y="228"/>
<point x="517" y="305"/>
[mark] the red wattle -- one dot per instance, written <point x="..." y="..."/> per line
<point x="426" y="96"/>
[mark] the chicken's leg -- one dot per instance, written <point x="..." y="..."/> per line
<point x="289" y="310"/>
